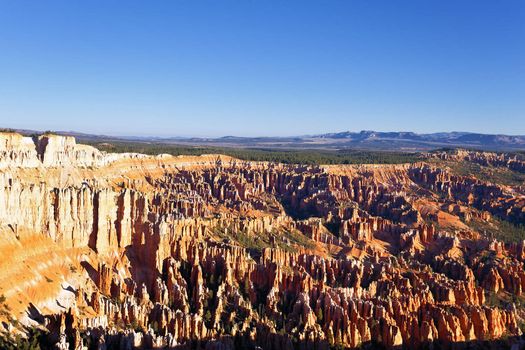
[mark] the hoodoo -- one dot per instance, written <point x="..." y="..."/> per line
<point x="128" y="251"/>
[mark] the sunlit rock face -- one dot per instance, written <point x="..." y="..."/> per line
<point x="126" y="251"/>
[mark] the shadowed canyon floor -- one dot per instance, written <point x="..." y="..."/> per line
<point x="127" y="251"/>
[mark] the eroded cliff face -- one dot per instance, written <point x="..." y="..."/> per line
<point x="130" y="251"/>
<point x="511" y="161"/>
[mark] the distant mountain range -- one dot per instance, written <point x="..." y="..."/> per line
<point x="366" y="139"/>
<point x="374" y="139"/>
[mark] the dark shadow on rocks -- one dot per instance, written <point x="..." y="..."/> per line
<point x="34" y="314"/>
<point x="92" y="272"/>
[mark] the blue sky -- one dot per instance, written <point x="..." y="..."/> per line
<point x="262" y="67"/>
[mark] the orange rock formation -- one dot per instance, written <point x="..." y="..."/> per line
<point x="123" y="251"/>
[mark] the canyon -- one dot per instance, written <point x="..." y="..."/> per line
<point x="129" y="251"/>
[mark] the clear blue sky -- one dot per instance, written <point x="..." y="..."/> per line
<point x="262" y="67"/>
